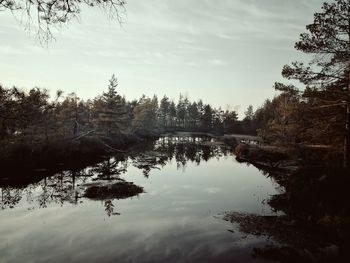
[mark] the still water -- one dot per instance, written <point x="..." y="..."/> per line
<point x="188" y="183"/>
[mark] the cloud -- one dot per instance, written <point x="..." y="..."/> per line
<point x="6" y="50"/>
<point x="212" y="190"/>
<point x="217" y="62"/>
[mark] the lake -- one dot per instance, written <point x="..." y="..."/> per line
<point x="188" y="184"/>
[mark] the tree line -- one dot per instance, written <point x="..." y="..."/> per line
<point x="35" y="117"/>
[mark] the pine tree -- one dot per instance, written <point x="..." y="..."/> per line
<point x="112" y="116"/>
<point x="229" y="120"/>
<point x="172" y="113"/>
<point x="193" y="114"/>
<point x="328" y="41"/>
<point x="207" y="117"/>
<point x="249" y="113"/>
<point x="145" y="115"/>
<point x="181" y="110"/>
<point x="164" y="110"/>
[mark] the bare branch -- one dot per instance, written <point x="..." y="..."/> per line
<point x="55" y="13"/>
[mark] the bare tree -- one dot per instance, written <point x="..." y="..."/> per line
<point x="46" y="14"/>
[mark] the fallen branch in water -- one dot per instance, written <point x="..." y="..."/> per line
<point x="83" y="135"/>
<point x="110" y="147"/>
<point x="99" y="139"/>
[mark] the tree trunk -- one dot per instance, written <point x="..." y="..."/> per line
<point x="347" y="117"/>
<point x="347" y="138"/>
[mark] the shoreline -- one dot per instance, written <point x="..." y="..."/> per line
<point x="25" y="163"/>
<point x="314" y="197"/>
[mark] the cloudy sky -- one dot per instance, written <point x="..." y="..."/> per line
<point x="227" y="52"/>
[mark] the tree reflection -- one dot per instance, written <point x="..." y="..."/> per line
<point x="10" y="197"/>
<point x="182" y="149"/>
<point x="70" y="186"/>
<point x="109" y="208"/>
<point x="110" y="169"/>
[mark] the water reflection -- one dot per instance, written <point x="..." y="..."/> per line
<point x="70" y="186"/>
<point x="10" y="197"/>
<point x="110" y="169"/>
<point x="56" y="189"/>
<point x="180" y="149"/>
<point x="172" y="189"/>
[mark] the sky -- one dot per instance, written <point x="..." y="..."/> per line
<point x="226" y="52"/>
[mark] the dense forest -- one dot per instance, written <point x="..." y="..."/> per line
<point x="35" y="116"/>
